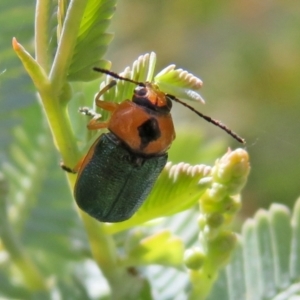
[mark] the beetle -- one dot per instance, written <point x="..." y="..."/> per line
<point x="121" y="167"/>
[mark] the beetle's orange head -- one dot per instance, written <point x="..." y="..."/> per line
<point x="149" y="95"/>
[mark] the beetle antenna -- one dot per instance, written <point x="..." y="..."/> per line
<point x="209" y="119"/>
<point x="117" y="76"/>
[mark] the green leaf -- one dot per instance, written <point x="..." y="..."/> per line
<point x="177" y="189"/>
<point x="173" y="81"/>
<point x="92" y="41"/>
<point x="266" y="264"/>
<point x="141" y="70"/>
<point x="179" y="82"/>
<point x="160" y="248"/>
<point x="35" y="71"/>
<point x="173" y="283"/>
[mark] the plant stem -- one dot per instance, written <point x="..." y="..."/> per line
<point x="55" y="110"/>
<point x="202" y="283"/>
<point x="67" y="43"/>
<point x="123" y="284"/>
<point x="102" y="246"/>
<point x="42" y="33"/>
<point x="61" y="128"/>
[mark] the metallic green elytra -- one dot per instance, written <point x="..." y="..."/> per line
<point x="115" y="182"/>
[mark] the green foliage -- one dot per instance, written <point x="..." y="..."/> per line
<point x="172" y="247"/>
<point x="266" y="263"/>
<point x="91" y="45"/>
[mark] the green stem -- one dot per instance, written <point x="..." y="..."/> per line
<point x="61" y="128"/>
<point x="202" y="282"/>
<point x="42" y="33"/>
<point x="55" y="110"/>
<point x="67" y="42"/>
<point x="102" y="246"/>
<point x="50" y="94"/>
<point x="123" y="284"/>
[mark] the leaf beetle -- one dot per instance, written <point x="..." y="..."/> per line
<point x="121" y="167"/>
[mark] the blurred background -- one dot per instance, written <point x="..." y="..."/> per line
<point x="246" y="52"/>
<point x="248" y="55"/>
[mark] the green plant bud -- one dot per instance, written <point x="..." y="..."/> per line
<point x="232" y="170"/>
<point x="205" y="181"/>
<point x="220" y="249"/>
<point x="208" y="205"/>
<point x="229" y="205"/>
<point x="218" y="191"/>
<point x="194" y="258"/>
<point x="210" y="233"/>
<point x="215" y="220"/>
<point x="201" y="221"/>
<point x="232" y="204"/>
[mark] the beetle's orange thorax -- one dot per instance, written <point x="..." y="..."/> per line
<point x="144" y="124"/>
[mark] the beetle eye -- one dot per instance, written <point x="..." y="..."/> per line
<point x="140" y="91"/>
<point x="169" y="103"/>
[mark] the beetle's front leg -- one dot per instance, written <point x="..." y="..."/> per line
<point x="67" y="169"/>
<point x="72" y="170"/>
<point x="94" y="123"/>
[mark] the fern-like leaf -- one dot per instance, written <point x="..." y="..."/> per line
<point x="176" y="182"/>
<point x="92" y="41"/>
<point x="266" y="264"/>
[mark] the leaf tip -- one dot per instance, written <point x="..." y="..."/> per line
<point x="15" y="44"/>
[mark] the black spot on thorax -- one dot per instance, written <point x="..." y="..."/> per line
<point x="149" y="131"/>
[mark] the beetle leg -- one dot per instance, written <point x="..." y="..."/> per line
<point x="67" y="169"/>
<point x="93" y="123"/>
<point x="72" y="170"/>
<point x="109" y="106"/>
<point x="89" y="112"/>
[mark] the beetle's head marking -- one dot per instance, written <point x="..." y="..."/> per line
<point x="149" y="95"/>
